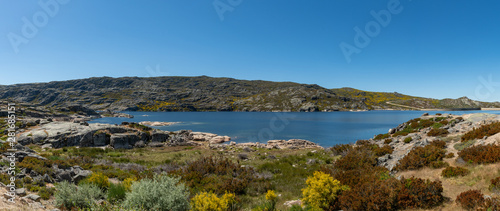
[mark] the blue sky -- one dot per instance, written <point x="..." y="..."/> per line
<point x="437" y="49"/>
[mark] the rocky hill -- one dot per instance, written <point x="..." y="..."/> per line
<point x="214" y="94"/>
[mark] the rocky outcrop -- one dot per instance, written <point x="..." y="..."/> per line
<point x="148" y="123"/>
<point x="457" y="127"/>
<point x="272" y="144"/>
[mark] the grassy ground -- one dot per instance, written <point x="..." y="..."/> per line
<point x="286" y="170"/>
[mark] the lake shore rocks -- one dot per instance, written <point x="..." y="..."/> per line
<point x="148" y="123"/>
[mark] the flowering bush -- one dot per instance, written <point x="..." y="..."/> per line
<point x="210" y="202"/>
<point x="322" y="191"/>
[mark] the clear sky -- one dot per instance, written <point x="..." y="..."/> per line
<point x="429" y="48"/>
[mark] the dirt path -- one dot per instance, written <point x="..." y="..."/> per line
<point x="410" y="107"/>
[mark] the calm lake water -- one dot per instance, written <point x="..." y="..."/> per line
<point x="326" y="129"/>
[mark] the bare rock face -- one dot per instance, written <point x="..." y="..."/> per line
<point x="124" y="141"/>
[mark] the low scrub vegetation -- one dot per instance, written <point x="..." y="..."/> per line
<point x="322" y="191"/>
<point x="454" y="172"/>
<point x="204" y="201"/>
<point x="481" y="154"/>
<point x="160" y="193"/>
<point x="471" y="200"/>
<point x="482" y="131"/>
<point x="495" y="185"/>
<point x="438" y="132"/>
<point x="216" y="174"/>
<point x="69" y="196"/>
<point x="423" y="156"/>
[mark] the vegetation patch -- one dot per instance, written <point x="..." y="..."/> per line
<point x="435" y="132"/>
<point x="481" y="154"/>
<point x="462" y="145"/>
<point x="471" y="199"/>
<point x="454" y="172"/>
<point x="423" y="156"/>
<point x="482" y="131"/>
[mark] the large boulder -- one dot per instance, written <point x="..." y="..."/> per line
<point x="159" y="136"/>
<point x="124" y="141"/>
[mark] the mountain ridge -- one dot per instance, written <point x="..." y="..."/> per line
<point x="203" y="93"/>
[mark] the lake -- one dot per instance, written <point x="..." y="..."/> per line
<point x="324" y="128"/>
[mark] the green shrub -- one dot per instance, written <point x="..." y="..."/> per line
<point x="116" y="193"/>
<point x="382" y="136"/>
<point x="160" y="193"/>
<point x="454" y="172"/>
<point x="45" y="193"/>
<point x="438" y="164"/>
<point x="438" y="132"/>
<point x="70" y="196"/>
<point x="471" y="199"/>
<point x="481" y="154"/>
<point x="450" y="155"/>
<point x="408" y="140"/>
<point x="462" y="145"/>
<point x="216" y="174"/>
<point x="481" y="132"/>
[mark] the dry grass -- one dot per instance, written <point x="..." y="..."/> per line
<point x="479" y="178"/>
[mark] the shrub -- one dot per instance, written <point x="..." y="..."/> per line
<point x="387" y="141"/>
<point x="45" y="193"/>
<point x="454" y="172"/>
<point x="38" y="165"/>
<point x="340" y="149"/>
<point x="408" y="140"/>
<point x="210" y="202"/>
<point x="481" y="154"/>
<point x="422" y="156"/>
<point x="322" y="191"/>
<point x="381" y="151"/>
<point x="495" y="185"/>
<point x="419" y="193"/>
<point x="438" y="132"/>
<point x="116" y="193"/>
<point x="481" y="132"/>
<point x="438" y="164"/>
<point x="127" y="183"/>
<point x="372" y="194"/>
<point x="450" y="155"/>
<point x="216" y="174"/>
<point x="470" y="199"/>
<point x="382" y="136"/>
<point x="98" y="179"/>
<point x="70" y="196"/>
<point x="160" y="193"/>
<point x="462" y="145"/>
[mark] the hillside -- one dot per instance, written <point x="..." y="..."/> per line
<point x="214" y="94"/>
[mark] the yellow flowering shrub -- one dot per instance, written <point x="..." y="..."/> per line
<point x="99" y="179"/>
<point x="270" y="195"/>
<point x="210" y="202"/>
<point x="322" y="191"/>
<point x="127" y="183"/>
